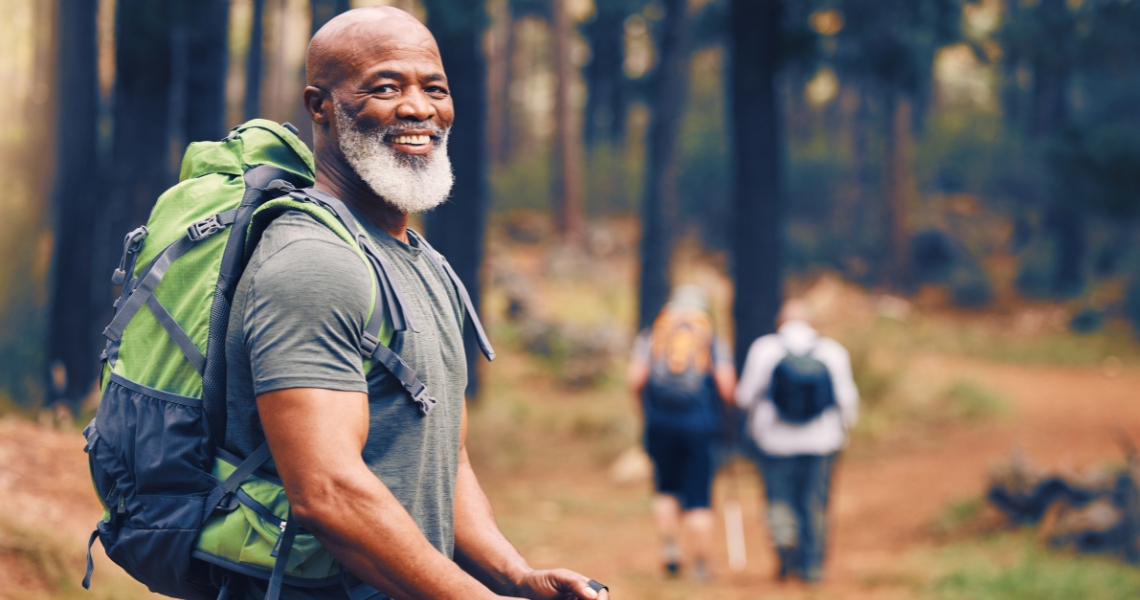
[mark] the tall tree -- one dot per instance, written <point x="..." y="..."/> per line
<point x="567" y="183"/>
<point x="254" y="63"/>
<point x="606" y="100"/>
<point x="457" y="227"/>
<point x="141" y="148"/>
<point x="204" y="37"/>
<point x="72" y="342"/>
<point x="662" y="168"/>
<point x="757" y="139"/>
<point x="888" y="47"/>
<point x="500" y="51"/>
<point x="322" y="11"/>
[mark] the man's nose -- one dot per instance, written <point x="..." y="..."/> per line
<point x="415" y="105"/>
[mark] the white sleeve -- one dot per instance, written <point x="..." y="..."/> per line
<point x="763" y="356"/>
<point x="838" y="362"/>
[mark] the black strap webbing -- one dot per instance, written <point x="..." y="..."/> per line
<point x="284" y="546"/>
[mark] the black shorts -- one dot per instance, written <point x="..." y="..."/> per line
<point x="683" y="464"/>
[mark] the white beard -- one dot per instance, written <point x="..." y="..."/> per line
<point x="408" y="182"/>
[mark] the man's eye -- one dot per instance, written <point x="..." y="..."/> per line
<point x="436" y="90"/>
<point x="385" y="89"/>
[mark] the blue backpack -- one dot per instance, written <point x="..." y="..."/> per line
<point x="801" y="387"/>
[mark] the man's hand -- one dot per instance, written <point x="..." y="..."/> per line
<point x="559" y="584"/>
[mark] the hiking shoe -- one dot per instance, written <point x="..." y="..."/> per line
<point x="672" y="568"/>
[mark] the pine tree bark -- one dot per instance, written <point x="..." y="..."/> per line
<point x="605" y="100"/>
<point x="206" y="37"/>
<point x="502" y="45"/>
<point x="758" y="143"/>
<point x="142" y="166"/>
<point x="254" y="63"/>
<point x="456" y="228"/>
<point x="897" y="188"/>
<point x="568" y="192"/>
<point x="72" y="340"/>
<point x="659" y="201"/>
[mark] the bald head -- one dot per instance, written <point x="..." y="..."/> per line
<point x="344" y="46"/>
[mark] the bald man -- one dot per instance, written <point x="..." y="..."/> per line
<point x="388" y="491"/>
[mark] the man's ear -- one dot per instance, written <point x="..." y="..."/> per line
<point x="318" y="103"/>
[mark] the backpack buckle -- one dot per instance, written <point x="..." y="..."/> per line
<point x="204" y="228"/>
<point x="131" y="244"/>
<point x="422" y="398"/>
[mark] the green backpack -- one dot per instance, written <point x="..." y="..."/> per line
<point x="175" y="502"/>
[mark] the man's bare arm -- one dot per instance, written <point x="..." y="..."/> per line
<point x="316" y="437"/>
<point x="482" y="550"/>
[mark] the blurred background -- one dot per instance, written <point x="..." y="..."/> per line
<point x="951" y="185"/>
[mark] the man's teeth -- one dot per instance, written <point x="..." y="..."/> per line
<point x="412" y="140"/>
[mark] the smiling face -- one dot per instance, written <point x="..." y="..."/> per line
<point x="378" y="74"/>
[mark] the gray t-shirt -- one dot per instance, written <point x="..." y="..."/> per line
<point x="297" y="319"/>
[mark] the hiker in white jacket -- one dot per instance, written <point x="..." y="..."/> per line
<point x="795" y="458"/>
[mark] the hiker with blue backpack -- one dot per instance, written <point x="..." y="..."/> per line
<point x="682" y="377"/>
<point x="801" y="400"/>
<point x="282" y="410"/>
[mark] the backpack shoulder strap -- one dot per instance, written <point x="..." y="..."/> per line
<point x="389" y="301"/>
<point x="468" y="305"/>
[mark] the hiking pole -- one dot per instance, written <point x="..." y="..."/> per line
<point x="733" y="519"/>
<point x="734" y="525"/>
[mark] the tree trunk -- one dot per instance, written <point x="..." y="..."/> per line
<point x="322" y="11"/>
<point x="254" y="63"/>
<point x="758" y="142"/>
<point x="502" y="42"/>
<point x="659" y="201"/>
<point x="568" y="193"/>
<point x="456" y="227"/>
<point x="72" y="341"/>
<point x="206" y="37"/>
<point x="1050" y="75"/>
<point x="141" y="153"/>
<point x="897" y="192"/>
<point x="605" y="77"/>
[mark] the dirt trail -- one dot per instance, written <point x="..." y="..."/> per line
<point x="560" y="507"/>
<point x="887" y="493"/>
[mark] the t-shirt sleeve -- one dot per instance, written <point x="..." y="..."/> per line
<point x="305" y="316"/>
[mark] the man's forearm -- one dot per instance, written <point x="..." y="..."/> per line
<point x="363" y="525"/>
<point x="480" y="548"/>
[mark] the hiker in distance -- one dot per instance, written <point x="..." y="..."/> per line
<point x="801" y="397"/>
<point x="389" y="491"/>
<point x="681" y="375"/>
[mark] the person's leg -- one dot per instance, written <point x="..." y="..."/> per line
<point x="817" y="483"/>
<point x="698" y="523"/>
<point x="783" y="526"/>
<point x="666" y="452"/>
<point x="699" y="471"/>
<point x="667" y="516"/>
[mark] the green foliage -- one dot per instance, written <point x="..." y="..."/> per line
<point x="613" y="179"/>
<point x="1040" y="575"/>
<point x="958" y="516"/>
<point x="522" y="184"/>
<point x="970" y="401"/>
